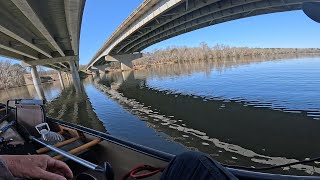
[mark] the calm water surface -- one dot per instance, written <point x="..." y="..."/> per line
<point x="249" y="112"/>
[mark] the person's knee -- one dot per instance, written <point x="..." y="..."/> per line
<point x="191" y="156"/>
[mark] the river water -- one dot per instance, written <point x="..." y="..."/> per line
<point x="247" y="112"/>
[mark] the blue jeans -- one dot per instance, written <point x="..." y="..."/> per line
<point x="197" y="166"/>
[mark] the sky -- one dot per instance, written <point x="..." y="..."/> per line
<point x="283" y="30"/>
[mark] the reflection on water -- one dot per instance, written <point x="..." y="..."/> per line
<point x="288" y="85"/>
<point x="198" y="110"/>
<point x="240" y="111"/>
<point x="51" y="91"/>
<point x="75" y="108"/>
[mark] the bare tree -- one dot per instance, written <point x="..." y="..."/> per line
<point x="217" y="52"/>
<point x="11" y="75"/>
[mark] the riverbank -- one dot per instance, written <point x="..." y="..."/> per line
<point x="11" y="75"/>
<point x="170" y="104"/>
<point x="216" y="53"/>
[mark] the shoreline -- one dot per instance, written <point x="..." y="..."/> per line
<point x="155" y="63"/>
<point x="24" y="85"/>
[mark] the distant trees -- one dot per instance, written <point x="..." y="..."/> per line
<point x="206" y="53"/>
<point x="11" y="75"/>
<point x="45" y="71"/>
<point x="82" y="67"/>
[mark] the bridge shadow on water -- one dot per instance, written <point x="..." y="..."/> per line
<point x="231" y="131"/>
<point x="74" y="107"/>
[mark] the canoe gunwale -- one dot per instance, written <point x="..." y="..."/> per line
<point x="132" y="146"/>
<point x="167" y="156"/>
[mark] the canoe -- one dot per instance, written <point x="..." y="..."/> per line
<point x="103" y="149"/>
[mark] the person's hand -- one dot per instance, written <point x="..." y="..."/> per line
<point x="37" y="167"/>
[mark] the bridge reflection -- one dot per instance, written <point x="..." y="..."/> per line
<point x="74" y="107"/>
<point x="230" y="131"/>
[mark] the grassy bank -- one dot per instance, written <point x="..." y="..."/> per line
<point x="205" y="53"/>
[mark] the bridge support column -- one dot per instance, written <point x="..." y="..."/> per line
<point x="125" y="60"/>
<point x="101" y="70"/>
<point x="67" y="78"/>
<point x="75" y="76"/>
<point x="95" y="73"/>
<point x="61" y="79"/>
<point x="125" y="67"/>
<point x="37" y="82"/>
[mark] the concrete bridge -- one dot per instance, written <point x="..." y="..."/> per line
<point x="157" y="20"/>
<point x="42" y="33"/>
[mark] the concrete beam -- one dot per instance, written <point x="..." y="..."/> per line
<point x="145" y="13"/>
<point x="214" y="17"/>
<point x="101" y="68"/>
<point x="110" y="59"/>
<point x="37" y="82"/>
<point x="3" y="46"/>
<point x="63" y="65"/>
<point x="43" y="62"/>
<point x="61" y="79"/>
<point x="188" y="16"/>
<point x="125" y="60"/>
<point x="191" y="16"/>
<point x="10" y="55"/>
<point x="54" y="66"/>
<point x="26" y="9"/>
<point x="75" y="76"/>
<point x="10" y="33"/>
<point x="191" y="7"/>
<point x="73" y="11"/>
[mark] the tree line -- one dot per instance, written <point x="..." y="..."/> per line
<point x="11" y="75"/>
<point x="205" y="53"/>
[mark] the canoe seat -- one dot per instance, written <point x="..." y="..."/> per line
<point x="80" y="149"/>
<point x="73" y="145"/>
<point x="29" y="113"/>
<point x="60" y="144"/>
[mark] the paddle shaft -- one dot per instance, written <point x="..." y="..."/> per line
<point x="70" y="156"/>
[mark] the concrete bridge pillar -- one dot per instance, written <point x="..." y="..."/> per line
<point x="67" y="78"/>
<point x="125" y="67"/>
<point x="61" y="79"/>
<point x="94" y="71"/>
<point x="125" y="60"/>
<point x="74" y="71"/>
<point x="101" y="70"/>
<point x="37" y="82"/>
<point x="75" y="76"/>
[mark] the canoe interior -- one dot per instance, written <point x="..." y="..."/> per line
<point x="98" y="147"/>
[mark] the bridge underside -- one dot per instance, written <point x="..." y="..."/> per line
<point x="169" y="18"/>
<point x="40" y="31"/>
<point x="194" y="14"/>
<point x="125" y="61"/>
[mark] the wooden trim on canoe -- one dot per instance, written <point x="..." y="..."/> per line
<point x="81" y="148"/>
<point x="72" y="131"/>
<point x="44" y="150"/>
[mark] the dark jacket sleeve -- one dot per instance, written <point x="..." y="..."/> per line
<point x="5" y="174"/>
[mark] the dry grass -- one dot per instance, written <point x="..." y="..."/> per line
<point x="206" y="53"/>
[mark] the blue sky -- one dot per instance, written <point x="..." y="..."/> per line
<point x="289" y="29"/>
